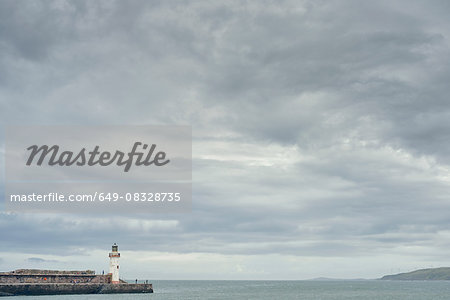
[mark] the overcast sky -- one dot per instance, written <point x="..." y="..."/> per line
<point x="321" y="132"/>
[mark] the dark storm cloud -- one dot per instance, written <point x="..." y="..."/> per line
<point x="320" y="128"/>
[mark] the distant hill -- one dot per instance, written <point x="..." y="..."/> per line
<point x="424" y="274"/>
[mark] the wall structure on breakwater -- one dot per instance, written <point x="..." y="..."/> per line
<point x="52" y="276"/>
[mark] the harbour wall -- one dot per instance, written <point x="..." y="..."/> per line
<point x="67" y="289"/>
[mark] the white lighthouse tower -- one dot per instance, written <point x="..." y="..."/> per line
<point x="114" y="264"/>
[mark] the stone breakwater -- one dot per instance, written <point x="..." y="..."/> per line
<point x="34" y="289"/>
<point x="50" y="282"/>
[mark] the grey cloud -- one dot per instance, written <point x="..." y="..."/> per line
<point x="359" y="91"/>
<point x="38" y="260"/>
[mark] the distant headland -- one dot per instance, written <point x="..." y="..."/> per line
<point x="423" y="274"/>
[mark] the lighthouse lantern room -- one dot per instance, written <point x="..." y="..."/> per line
<point x="114" y="256"/>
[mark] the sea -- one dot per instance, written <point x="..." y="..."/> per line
<point x="313" y="290"/>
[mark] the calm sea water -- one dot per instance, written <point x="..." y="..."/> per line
<point x="314" y="290"/>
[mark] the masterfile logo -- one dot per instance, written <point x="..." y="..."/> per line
<point x="132" y="153"/>
<point x="94" y="157"/>
<point x="106" y="168"/>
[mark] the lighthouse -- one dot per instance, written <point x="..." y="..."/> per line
<point x="114" y="256"/>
